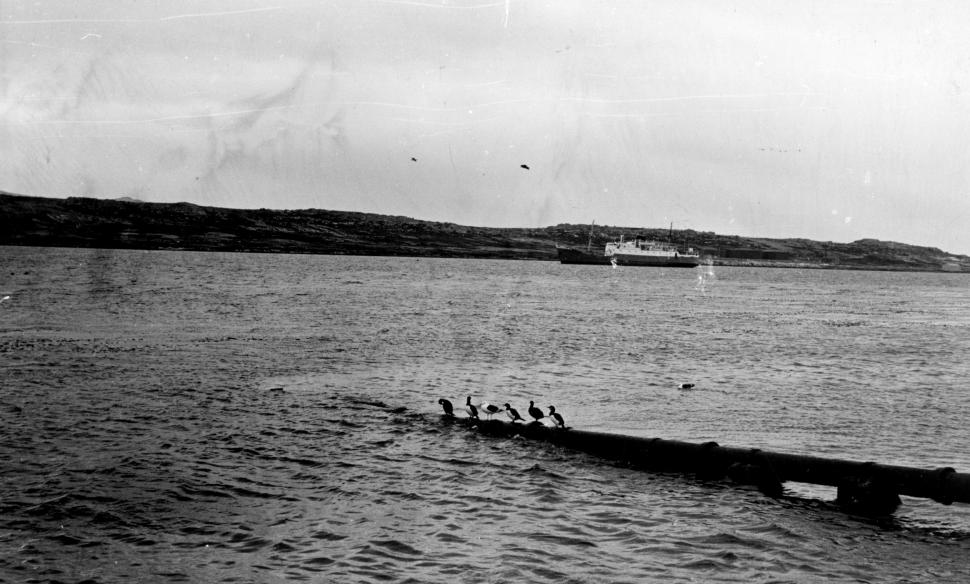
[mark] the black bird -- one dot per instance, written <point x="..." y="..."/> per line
<point x="413" y="159"/>
<point x="471" y="409"/>
<point x="447" y="407"/>
<point x="489" y="409"/>
<point x="512" y="414"/>
<point x="556" y="417"/>
<point x="535" y="412"/>
<point x="525" y="166"/>
<point x="687" y="386"/>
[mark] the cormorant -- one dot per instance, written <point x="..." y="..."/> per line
<point x="535" y="412"/>
<point x="556" y="417"/>
<point x="471" y="409"/>
<point x="447" y="407"/>
<point x="512" y="414"/>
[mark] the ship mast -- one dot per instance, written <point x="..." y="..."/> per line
<point x="589" y="242"/>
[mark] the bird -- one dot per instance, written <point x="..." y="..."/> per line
<point x="525" y="166"/>
<point x="535" y="412"/>
<point x="489" y="409"/>
<point x="471" y="409"/>
<point x="556" y="417"/>
<point x="687" y="386"/>
<point x="512" y="414"/>
<point x="447" y="407"/>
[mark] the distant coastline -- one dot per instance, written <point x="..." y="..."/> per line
<point x="129" y="224"/>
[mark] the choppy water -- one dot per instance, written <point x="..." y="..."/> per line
<point x="201" y="417"/>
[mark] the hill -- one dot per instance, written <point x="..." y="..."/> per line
<point x="86" y="222"/>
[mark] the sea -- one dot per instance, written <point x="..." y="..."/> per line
<point x="177" y="416"/>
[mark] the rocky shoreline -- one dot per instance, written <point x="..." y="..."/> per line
<point x="126" y="224"/>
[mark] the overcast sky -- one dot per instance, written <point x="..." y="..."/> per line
<point x="832" y="120"/>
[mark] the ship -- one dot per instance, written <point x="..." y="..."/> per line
<point x="637" y="252"/>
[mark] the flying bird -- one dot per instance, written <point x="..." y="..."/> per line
<point x="471" y="409"/>
<point x="413" y="159"/>
<point x="447" y="407"/>
<point x="512" y="414"/>
<point x="535" y="412"/>
<point x="525" y="166"/>
<point x="556" y="417"/>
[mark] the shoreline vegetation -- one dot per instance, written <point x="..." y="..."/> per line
<point x="130" y="224"/>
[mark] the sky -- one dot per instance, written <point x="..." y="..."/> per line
<point x="829" y="120"/>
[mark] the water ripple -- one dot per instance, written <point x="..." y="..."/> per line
<point x="231" y="418"/>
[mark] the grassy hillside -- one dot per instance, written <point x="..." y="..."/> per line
<point x="84" y="222"/>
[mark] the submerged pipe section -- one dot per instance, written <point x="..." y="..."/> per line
<point x="864" y="487"/>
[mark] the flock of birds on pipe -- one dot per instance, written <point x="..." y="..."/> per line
<point x="490" y="410"/>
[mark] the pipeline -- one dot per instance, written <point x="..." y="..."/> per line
<point x="863" y="487"/>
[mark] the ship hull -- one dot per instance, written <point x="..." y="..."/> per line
<point x="574" y="256"/>
<point x="667" y="262"/>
